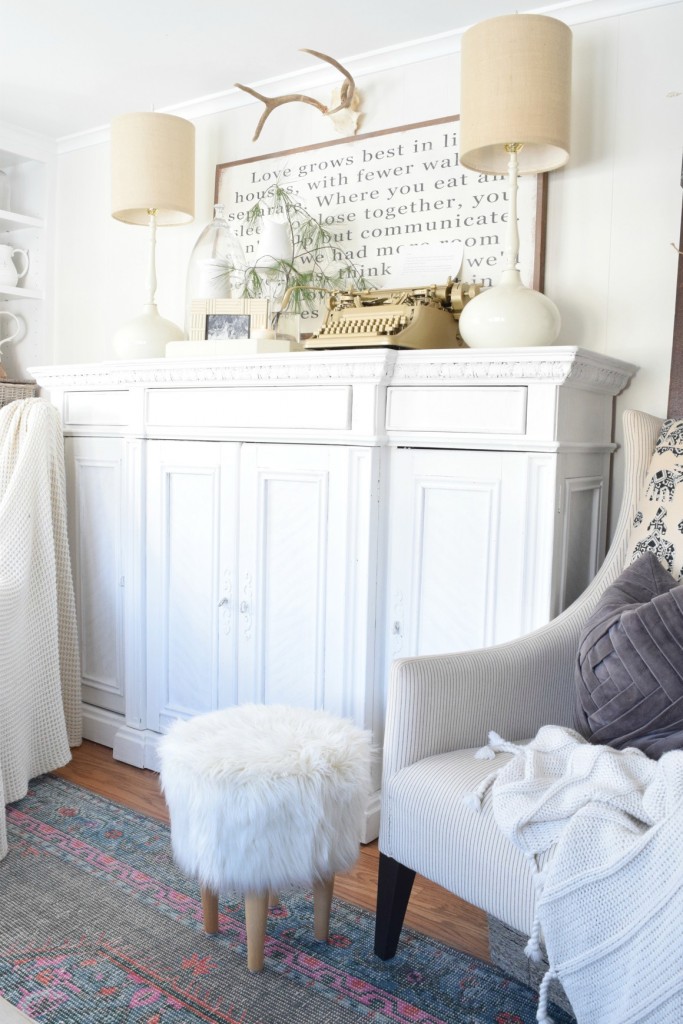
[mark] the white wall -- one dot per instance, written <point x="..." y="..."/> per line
<point x="612" y="212"/>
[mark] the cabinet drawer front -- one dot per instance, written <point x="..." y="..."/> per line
<point x="462" y="410"/>
<point x="285" y="408"/>
<point x="96" y="408"/>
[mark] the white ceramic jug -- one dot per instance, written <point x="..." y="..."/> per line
<point x="9" y="275"/>
<point x="14" y="327"/>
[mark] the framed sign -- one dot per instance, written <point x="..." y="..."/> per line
<point x="383" y="194"/>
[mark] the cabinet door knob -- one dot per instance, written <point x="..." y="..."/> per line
<point x="223" y="601"/>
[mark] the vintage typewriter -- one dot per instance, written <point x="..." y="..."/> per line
<point x="395" y="318"/>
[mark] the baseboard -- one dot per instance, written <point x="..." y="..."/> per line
<point x="371" y="822"/>
<point x="100" y="726"/>
<point x="137" y="747"/>
<point x="132" y="746"/>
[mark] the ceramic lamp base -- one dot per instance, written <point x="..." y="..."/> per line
<point x="146" y="336"/>
<point x="509" y="315"/>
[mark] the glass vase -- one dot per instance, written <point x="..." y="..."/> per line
<point x="216" y="265"/>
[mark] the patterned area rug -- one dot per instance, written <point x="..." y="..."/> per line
<point x="96" y="924"/>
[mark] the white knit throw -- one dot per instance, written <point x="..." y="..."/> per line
<point x="610" y="900"/>
<point x="40" y="711"/>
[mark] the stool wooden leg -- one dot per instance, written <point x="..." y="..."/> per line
<point x="322" y="904"/>
<point x="256" y="915"/>
<point x="210" y="910"/>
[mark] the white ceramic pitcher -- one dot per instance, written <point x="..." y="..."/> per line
<point x="14" y="327"/>
<point x="9" y="274"/>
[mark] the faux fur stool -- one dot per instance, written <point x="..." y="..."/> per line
<point x="263" y="798"/>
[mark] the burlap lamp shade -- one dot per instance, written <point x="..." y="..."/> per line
<point x="152" y="168"/>
<point x="515" y="88"/>
<point x="152" y="179"/>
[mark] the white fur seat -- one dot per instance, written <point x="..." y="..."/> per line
<point x="261" y="798"/>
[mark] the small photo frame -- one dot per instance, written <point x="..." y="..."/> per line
<point x="222" y="326"/>
<point x="215" y="319"/>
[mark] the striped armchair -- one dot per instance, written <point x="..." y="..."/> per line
<point x="440" y="710"/>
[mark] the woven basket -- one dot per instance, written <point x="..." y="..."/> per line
<point x="11" y="391"/>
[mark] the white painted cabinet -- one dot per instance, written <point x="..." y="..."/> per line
<point x="456" y="557"/>
<point x="94" y="470"/>
<point x="479" y="543"/>
<point x="192" y="490"/>
<point x="279" y="528"/>
<point x="255" y="568"/>
<point x="305" y="590"/>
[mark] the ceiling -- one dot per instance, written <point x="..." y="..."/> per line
<point x="68" y="66"/>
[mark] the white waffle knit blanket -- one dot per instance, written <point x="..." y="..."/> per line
<point x="40" y="711"/>
<point x="610" y="900"/>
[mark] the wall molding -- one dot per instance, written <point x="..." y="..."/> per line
<point x="443" y="44"/>
<point x="19" y="144"/>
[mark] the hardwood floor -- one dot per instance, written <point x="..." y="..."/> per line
<point x="431" y="911"/>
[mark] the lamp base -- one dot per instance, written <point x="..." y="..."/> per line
<point x="145" y="336"/>
<point x="509" y="315"/>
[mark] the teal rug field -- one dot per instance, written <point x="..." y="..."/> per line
<point x="97" y="924"/>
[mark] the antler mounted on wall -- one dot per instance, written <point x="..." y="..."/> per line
<point x="348" y="97"/>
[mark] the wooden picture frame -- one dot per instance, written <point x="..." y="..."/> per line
<point x="202" y="310"/>
<point x="385" y="189"/>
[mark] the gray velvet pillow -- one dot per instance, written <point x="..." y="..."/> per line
<point x="629" y="673"/>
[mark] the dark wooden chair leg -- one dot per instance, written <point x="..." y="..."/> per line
<point x="394" y="884"/>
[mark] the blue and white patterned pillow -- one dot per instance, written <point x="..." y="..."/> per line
<point x="658" y="523"/>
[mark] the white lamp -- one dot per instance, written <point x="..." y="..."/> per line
<point x="514" y="117"/>
<point x="152" y="183"/>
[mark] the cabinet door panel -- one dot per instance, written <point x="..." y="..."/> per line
<point x="187" y="581"/>
<point x="294" y="552"/>
<point x="291" y="607"/>
<point x="94" y="468"/>
<point x="456" y="549"/>
<point x="456" y="523"/>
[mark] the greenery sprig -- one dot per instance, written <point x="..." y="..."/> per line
<point x="317" y="264"/>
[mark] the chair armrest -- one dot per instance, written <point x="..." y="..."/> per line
<point x="438" y="703"/>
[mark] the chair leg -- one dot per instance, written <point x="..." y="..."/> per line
<point x="322" y="904"/>
<point x="256" y="916"/>
<point x="210" y="910"/>
<point x="394" y="884"/>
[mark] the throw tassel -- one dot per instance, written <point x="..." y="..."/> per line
<point x="496" y="745"/>
<point x="533" y="946"/>
<point x="474" y="800"/>
<point x="542" y="1013"/>
<point x="485" y="754"/>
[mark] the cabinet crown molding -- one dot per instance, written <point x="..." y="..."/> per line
<point x="556" y="365"/>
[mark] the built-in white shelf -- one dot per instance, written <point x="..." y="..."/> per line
<point x="11" y="221"/>
<point x="19" y="293"/>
